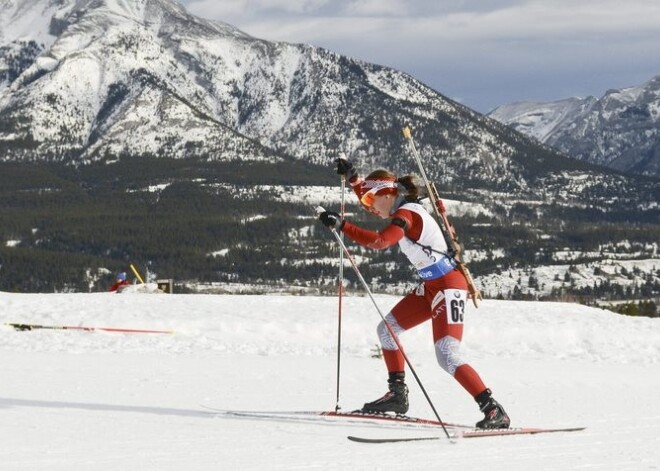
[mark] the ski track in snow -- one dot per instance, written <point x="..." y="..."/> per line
<point x="74" y="400"/>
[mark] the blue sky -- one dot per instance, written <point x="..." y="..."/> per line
<point x="481" y="53"/>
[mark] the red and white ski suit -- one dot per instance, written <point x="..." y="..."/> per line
<point x="441" y="296"/>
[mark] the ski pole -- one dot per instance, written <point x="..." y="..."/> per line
<point x="389" y="328"/>
<point x="26" y="327"/>
<point x="340" y="294"/>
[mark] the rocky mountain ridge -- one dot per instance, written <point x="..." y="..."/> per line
<point x="620" y="130"/>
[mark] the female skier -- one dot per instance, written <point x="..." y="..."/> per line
<point x="441" y="296"/>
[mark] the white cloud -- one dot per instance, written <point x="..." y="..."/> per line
<point x="293" y="6"/>
<point x="236" y="9"/>
<point x="377" y="8"/>
<point x="215" y="10"/>
<point x="534" y="20"/>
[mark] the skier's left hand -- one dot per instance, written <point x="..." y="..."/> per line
<point x="331" y="220"/>
<point x="345" y="168"/>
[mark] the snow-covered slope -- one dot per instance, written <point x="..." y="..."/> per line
<point x="106" y="401"/>
<point x="620" y="130"/>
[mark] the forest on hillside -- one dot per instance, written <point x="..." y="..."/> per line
<point x="65" y="228"/>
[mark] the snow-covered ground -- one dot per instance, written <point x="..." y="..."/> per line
<point x="72" y="400"/>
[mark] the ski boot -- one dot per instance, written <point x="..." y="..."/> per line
<point x="395" y="400"/>
<point x="495" y="417"/>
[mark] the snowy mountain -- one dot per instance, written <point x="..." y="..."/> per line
<point x="90" y="77"/>
<point x="620" y="130"/>
<point x="540" y="120"/>
<point x="93" y="79"/>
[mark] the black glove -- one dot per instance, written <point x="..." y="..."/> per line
<point x="345" y="167"/>
<point x="331" y="219"/>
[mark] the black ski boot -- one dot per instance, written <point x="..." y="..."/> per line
<point x="395" y="400"/>
<point x="495" y="417"/>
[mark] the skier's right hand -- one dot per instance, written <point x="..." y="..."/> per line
<point x="331" y="220"/>
<point x="345" y="167"/>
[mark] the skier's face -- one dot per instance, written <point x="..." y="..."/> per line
<point x="382" y="205"/>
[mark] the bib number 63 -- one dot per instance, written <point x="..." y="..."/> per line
<point x="456" y="300"/>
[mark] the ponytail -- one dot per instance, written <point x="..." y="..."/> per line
<point x="411" y="185"/>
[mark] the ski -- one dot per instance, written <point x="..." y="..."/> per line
<point x="474" y="433"/>
<point x="395" y="418"/>
<point x="356" y="417"/>
<point x="514" y="431"/>
<point x="391" y="440"/>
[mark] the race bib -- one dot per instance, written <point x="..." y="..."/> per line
<point x="455" y="300"/>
